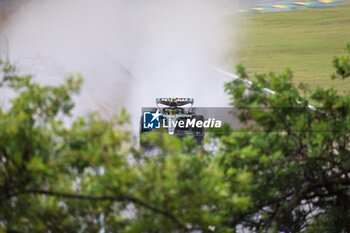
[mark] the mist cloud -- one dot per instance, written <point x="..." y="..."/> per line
<point x="129" y="51"/>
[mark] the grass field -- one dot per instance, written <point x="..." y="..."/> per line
<point x="304" y="40"/>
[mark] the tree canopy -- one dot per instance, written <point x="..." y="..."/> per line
<point x="288" y="170"/>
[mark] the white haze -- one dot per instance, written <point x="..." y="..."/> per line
<point x="128" y="51"/>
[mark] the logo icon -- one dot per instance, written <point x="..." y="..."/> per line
<point x="151" y="120"/>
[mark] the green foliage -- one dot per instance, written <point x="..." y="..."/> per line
<point x="289" y="168"/>
<point x="295" y="155"/>
<point x="87" y="176"/>
<point x="342" y="65"/>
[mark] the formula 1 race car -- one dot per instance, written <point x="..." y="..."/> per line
<point x="172" y="116"/>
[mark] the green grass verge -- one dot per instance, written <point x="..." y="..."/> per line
<point x="304" y="40"/>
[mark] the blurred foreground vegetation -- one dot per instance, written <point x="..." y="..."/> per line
<point x="289" y="171"/>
